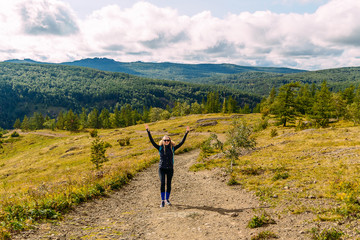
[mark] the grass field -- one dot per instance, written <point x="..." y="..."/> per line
<point x="44" y="173"/>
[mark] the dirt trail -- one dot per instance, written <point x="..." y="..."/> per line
<point x="204" y="207"/>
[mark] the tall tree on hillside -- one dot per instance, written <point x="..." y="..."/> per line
<point x="284" y="106"/>
<point x="353" y="110"/>
<point x="304" y="100"/>
<point x="17" y="124"/>
<point x="104" y="118"/>
<point x="72" y="122"/>
<point x="93" y="119"/>
<point x="60" y="121"/>
<point x="322" y="108"/>
<point x="266" y="103"/>
<point x="83" y="118"/>
<point x="25" y="125"/>
<point x="348" y="94"/>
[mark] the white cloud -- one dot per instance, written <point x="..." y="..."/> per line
<point x="49" y="30"/>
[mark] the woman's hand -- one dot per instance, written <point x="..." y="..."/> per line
<point x="147" y="127"/>
<point x="187" y="129"/>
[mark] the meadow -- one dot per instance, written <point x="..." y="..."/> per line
<point x="45" y="173"/>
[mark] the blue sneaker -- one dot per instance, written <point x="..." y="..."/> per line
<point x="162" y="204"/>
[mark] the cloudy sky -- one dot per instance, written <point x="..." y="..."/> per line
<point x="304" y="34"/>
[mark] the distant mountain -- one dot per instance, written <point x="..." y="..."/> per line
<point x="26" y="60"/>
<point x="174" y="71"/>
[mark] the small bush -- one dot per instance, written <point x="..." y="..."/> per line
<point x="262" y="124"/>
<point x="252" y="171"/>
<point x="94" y="133"/>
<point x="280" y="175"/>
<point x="264" y="235"/>
<point x="124" y="141"/>
<point x="326" y="234"/>
<point x="232" y="181"/>
<point x="15" y="134"/>
<point x="257" y="221"/>
<point x="273" y="133"/>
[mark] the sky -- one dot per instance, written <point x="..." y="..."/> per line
<point x="302" y="34"/>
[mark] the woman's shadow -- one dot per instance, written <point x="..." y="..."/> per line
<point x="222" y="211"/>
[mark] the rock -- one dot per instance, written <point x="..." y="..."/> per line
<point x="274" y="196"/>
<point x="234" y="214"/>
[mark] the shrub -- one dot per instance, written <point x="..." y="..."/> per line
<point x="264" y="235"/>
<point x="15" y="134"/>
<point x="280" y="175"/>
<point x="124" y="141"/>
<point x="273" y="133"/>
<point x="94" y="133"/>
<point x="98" y="150"/>
<point x="326" y="234"/>
<point x="257" y="221"/>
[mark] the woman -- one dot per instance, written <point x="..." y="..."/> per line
<point x="166" y="149"/>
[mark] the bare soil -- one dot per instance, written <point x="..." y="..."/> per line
<point x="203" y="207"/>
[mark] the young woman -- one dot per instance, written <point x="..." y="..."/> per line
<point x="166" y="150"/>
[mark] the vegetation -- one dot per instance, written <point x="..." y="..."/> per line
<point x="53" y="172"/>
<point x="49" y="89"/>
<point x="326" y="234"/>
<point x="264" y="235"/>
<point x="259" y="221"/>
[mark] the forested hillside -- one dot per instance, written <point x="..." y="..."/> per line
<point x="174" y="71"/>
<point x="261" y="83"/>
<point x="48" y="89"/>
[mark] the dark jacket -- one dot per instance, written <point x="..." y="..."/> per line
<point x="167" y="154"/>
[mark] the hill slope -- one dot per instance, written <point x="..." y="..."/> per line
<point x="173" y="71"/>
<point x="48" y="88"/>
<point x="261" y="83"/>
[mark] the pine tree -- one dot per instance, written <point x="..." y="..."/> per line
<point x="104" y="118"/>
<point x="72" y="122"/>
<point x="60" y="121"/>
<point x="17" y="124"/>
<point x="323" y="108"/>
<point x="98" y="150"/>
<point x="284" y="106"/>
<point x="93" y="119"/>
<point x="83" y="118"/>
<point x="25" y="125"/>
<point x="304" y="100"/>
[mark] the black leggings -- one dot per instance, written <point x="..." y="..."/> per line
<point x="169" y="174"/>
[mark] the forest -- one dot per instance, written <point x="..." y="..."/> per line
<point x="49" y="89"/>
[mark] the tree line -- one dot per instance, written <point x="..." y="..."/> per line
<point x="126" y="115"/>
<point x="318" y="105"/>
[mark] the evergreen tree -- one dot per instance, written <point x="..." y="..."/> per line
<point x="353" y="110"/>
<point x="231" y="105"/>
<point x="348" y="95"/>
<point x="104" y="118"/>
<point x="60" y="121"/>
<point x="25" y="125"/>
<point x="83" y="118"/>
<point x="72" y="122"/>
<point x="98" y="150"/>
<point x="323" y="108"/>
<point x="284" y="106"/>
<point x="304" y="100"/>
<point x="93" y="119"/>
<point x="17" y="124"/>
